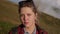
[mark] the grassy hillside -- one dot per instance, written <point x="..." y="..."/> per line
<point x="9" y="18"/>
<point x="8" y="11"/>
<point x="49" y="23"/>
<point x="5" y="27"/>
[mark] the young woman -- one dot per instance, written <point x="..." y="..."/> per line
<point x="28" y="16"/>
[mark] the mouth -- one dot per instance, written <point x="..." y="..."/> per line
<point x="26" y="22"/>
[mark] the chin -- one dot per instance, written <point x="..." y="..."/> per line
<point x="27" y="25"/>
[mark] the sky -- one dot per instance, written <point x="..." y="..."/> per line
<point x="16" y="1"/>
<point x="51" y="7"/>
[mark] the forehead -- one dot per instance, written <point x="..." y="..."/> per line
<point x="26" y="10"/>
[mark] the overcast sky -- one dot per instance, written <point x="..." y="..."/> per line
<point x="16" y="1"/>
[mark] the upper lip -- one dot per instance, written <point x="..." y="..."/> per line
<point x="26" y="22"/>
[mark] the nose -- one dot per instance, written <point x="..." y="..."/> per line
<point x="25" y="17"/>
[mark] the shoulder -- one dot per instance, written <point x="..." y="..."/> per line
<point x="13" y="30"/>
<point x="40" y="30"/>
<point x="16" y="29"/>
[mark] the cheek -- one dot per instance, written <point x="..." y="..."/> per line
<point x="32" y="18"/>
<point x="22" y="19"/>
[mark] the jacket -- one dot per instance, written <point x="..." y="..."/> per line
<point x="20" y="30"/>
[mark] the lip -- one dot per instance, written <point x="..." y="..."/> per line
<point x="26" y="22"/>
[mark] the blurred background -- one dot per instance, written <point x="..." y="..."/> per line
<point x="49" y="15"/>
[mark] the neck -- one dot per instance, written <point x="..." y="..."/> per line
<point x="30" y="29"/>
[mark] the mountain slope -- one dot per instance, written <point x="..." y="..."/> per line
<point x="8" y="11"/>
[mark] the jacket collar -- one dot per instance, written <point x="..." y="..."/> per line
<point x="21" y="29"/>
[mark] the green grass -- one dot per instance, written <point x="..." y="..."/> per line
<point x="5" y="27"/>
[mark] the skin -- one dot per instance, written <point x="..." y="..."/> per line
<point x="28" y="18"/>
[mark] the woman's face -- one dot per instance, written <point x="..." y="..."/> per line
<point x="27" y="16"/>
